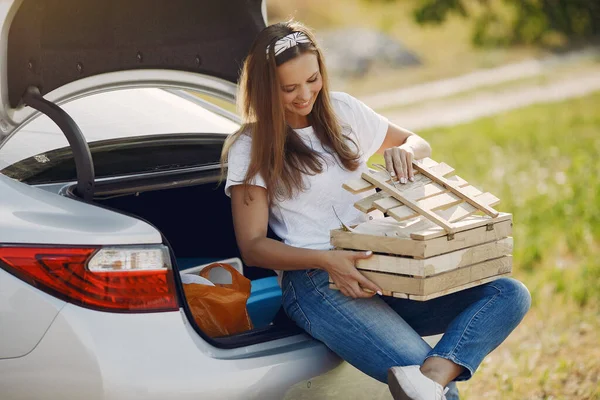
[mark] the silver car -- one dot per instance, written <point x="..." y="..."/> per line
<point x="112" y="118"/>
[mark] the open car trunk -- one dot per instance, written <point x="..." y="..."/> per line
<point x="197" y="223"/>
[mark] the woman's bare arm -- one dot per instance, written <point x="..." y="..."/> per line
<point x="250" y="221"/>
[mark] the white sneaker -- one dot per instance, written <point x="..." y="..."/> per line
<point x="408" y="383"/>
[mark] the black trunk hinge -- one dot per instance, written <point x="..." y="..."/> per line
<point x="84" y="165"/>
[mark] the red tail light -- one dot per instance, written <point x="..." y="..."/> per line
<point x="118" y="282"/>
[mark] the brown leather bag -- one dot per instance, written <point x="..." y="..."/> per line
<point x="220" y="310"/>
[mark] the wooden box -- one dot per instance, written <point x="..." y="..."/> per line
<point x="432" y="243"/>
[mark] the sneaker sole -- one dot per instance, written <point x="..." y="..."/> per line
<point x="395" y="388"/>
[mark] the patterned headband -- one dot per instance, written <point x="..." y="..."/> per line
<point x="289" y="41"/>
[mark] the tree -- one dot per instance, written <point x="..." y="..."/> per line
<point x="518" y="21"/>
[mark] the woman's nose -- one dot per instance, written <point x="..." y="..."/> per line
<point x="304" y="94"/>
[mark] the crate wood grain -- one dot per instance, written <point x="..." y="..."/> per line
<point x="360" y="185"/>
<point x="454" y="289"/>
<point x="438" y="264"/>
<point x="417" y="192"/>
<point x="401" y="196"/>
<point x="456" y="190"/>
<point x="422" y="189"/>
<point x="456" y="279"/>
<point x="431" y="243"/>
<point x="463" y="224"/>
<point x="440" y="293"/>
<point x="444" y="200"/>
<point x="405" y="246"/>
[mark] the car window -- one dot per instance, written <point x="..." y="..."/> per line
<point x="117" y="114"/>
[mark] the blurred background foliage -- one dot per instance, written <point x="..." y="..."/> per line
<point x="543" y="22"/>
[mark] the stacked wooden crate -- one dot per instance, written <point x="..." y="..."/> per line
<point x="433" y="242"/>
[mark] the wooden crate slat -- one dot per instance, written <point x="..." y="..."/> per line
<point x="457" y="191"/>
<point x="372" y="202"/>
<point x="443" y="281"/>
<point x="442" y="169"/>
<point x="367" y="204"/>
<point x="424" y="248"/>
<point x="463" y="276"/>
<point x="457" y="180"/>
<point x="463" y="210"/>
<point x="380" y="244"/>
<point x="456" y="288"/>
<point x="468" y="238"/>
<point x="438" y="264"/>
<point x="426" y="162"/>
<point x="384" y="292"/>
<point x="464" y="224"/>
<point x="357" y="186"/>
<point x="385" y="203"/>
<point x="413" y="205"/>
<point x="441" y="293"/>
<point x="442" y="200"/>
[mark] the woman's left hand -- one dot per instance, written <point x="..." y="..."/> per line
<point x="398" y="162"/>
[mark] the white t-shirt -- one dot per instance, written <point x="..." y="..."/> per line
<point x="306" y="219"/>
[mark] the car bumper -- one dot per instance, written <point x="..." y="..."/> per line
<point x="96" y="355"/>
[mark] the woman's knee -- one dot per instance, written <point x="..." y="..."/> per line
<point x="515" y="292"/>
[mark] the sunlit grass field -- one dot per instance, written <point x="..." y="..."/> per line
<point x="543" y="162"/>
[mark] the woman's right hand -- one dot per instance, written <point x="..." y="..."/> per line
<point x="341" y="266"/>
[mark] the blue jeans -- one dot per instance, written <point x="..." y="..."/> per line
<point x="377" y="333"/>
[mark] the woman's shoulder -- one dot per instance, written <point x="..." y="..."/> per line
<point x="240" y="141"/>
<point x="345" y="106"/>
<point x="342" y="99"/>
<point x="344" y="103"/>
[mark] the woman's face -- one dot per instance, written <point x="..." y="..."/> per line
<point x="301" y="82"/>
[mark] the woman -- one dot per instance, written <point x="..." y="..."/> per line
<point x="286" y="167"/>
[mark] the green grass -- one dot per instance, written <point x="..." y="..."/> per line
<point x="543" y="163"/>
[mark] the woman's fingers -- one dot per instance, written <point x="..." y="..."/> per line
<point x="365" y="283"/>
<point x="357" y="282"/>
<point x="389" y="162"/>
<point x="359" y="291"/>
<point x="348" y="279"/>
<point x="410" y="156"/>
<point x="399" y="164"/>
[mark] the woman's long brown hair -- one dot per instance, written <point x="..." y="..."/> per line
<point x="278" y="154"/>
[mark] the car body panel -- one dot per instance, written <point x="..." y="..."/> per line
<point x="25" y="315"/>
<point x="13" y="120"/>
<point x="50" y="43"/>
<point x="99" y="355"/>
<point x="115" y="114"/>
<point x="69" y="50"/>
<point x="34" y="216"/>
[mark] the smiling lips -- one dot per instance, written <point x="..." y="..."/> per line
<point x="301" y="105"/>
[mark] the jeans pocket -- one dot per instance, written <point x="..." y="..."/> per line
<point x="295" y="313"/>
<point x="293" y="309"/>
<point x="312" y="272"/>
<point x="319" y="279"/>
